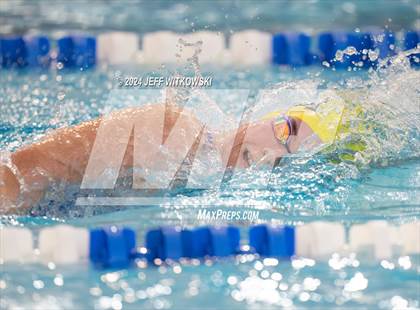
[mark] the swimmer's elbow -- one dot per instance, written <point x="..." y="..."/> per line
<point x="9" y="189"/>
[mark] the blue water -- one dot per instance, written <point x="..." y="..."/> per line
<point x="387" y="187"/>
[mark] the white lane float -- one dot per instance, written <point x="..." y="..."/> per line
<point x="376" y="239"/>
<point x="16" y="244"/>
<point x="164" y="47"/>
<point x="319" y="239"/>
<point x="409" y="233"/>
<point x="209" y="45"/>
<point x="117" y="48"/>
<point x="63" y="244"/>
<point x="161" y="47"/>
<point x="251" y="47"/>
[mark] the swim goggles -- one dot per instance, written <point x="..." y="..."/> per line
<point x="282" y="129"/>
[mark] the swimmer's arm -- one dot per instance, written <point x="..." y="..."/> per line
<point x="64" y="154"/>
<point x="9" y="187"/>
<point x="61" y="156"/>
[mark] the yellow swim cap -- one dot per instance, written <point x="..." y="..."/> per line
<point x="323" y="123"/>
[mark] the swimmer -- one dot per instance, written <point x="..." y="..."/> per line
<point x="63" y="155"/>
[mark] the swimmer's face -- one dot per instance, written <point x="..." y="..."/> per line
<point x="255" y="144"/>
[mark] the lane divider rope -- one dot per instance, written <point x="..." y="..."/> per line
<point x="117" y="247"/>
<point x="338" y="49"/>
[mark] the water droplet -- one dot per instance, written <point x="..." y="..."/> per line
<point x="373" y="55"/>
<point x="350" y="50"/>
<point x="61" y="96"/>
<point x="339" y="55"/>
<point x="38" y="284"/>
<point x="58" y="280"/>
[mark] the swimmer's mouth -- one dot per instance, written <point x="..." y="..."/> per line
<point x="246" y="156"/>
<point x="264" y="161"/>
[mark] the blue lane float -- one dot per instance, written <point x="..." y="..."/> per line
<point x="364" y="49"/>
<point x="197" y="241"/>
<point x="174" y="243"/>
<point x="292" y="49"/>
<point x="328" y="45"/>
<point x="384" y="42"/>
<point x="379" y="41"/>
<point x="272" y="241"/>
<point x="65" y="47"/>
<point x="84" y="52"/>
<point x="362" y="42"/>
<point x="164" y="243"/>
<point x="343" y="50"/>
<point x="20" y="52"/>
<point x="38" y="51"/>
<point x="76" y="52"/>
<point x="112" y="247"/>
<point x="13" y="52"/>
<point x="218" y="241"/>
<point x="412" y="40"/>
<point x="224" y="241"/>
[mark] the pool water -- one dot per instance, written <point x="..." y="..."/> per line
<point x="226" y="16"/>
<point x="303" y="190"/>
<point x="383" y="184"/>
<point x="230" y="284"/>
